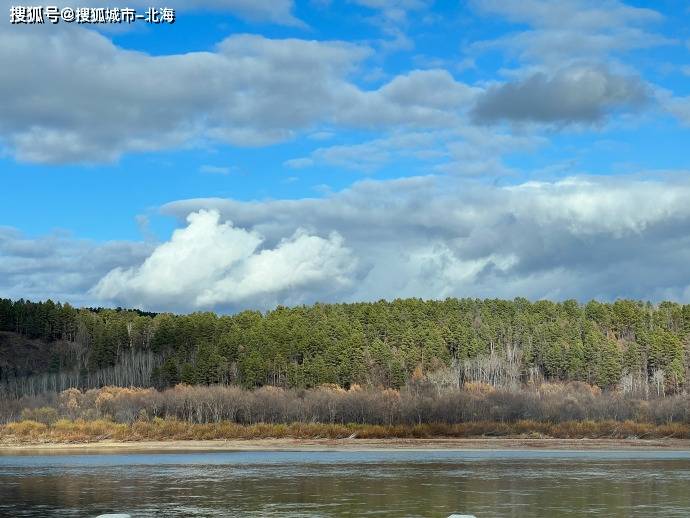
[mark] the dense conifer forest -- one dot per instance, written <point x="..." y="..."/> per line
<point x="632" y="347"/>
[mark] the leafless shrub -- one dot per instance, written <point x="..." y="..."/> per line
<point x="416" y="404"/>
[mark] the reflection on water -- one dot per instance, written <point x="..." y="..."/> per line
<point x="330" y="483"/>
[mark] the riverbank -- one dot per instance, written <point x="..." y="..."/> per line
<point x="287" y="444"/>
<point x="227" y="435"/>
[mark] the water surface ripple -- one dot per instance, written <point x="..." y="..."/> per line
<point x="403" y="483"/>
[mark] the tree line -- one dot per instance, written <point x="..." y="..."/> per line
<point x="630" y="345"/>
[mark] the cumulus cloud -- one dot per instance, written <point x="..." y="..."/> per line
<point x="431" y="237"/>
<point x="213" y="264"/>
<point x="578" y="94"/>
<point x="570" y="60"/>
<point x="422" y="98"/>
<point x="250" y="91"/>
<point x="426" y="237"/>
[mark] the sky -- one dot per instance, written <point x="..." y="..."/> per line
<point x="266" y="152"/>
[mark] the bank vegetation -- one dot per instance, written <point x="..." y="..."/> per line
<point x="419" y="410"/>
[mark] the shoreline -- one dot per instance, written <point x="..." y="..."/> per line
<point x="517" y="443"/>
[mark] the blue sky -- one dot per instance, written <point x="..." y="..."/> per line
<point x="279" y="152"/>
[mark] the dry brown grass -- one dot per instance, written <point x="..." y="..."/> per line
<point x="80" y="431"/>
<point x="23" y="430"/>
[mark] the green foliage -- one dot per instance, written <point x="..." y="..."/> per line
<point x="168" y="374"/>
<point x="188" y="374"/>
<point x="608" y="364"/>
<point x="379" y="343"/>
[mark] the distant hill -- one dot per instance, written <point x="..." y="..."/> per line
<point x="21" y="356"/>
<point x="627" y="345"/>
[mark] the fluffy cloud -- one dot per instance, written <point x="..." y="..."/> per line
<point x="107" y="100"/>
<point x="421" y="98"/>
<point x="429" y="237"/>
<point x="426" y="237"/>
<point x="569" y="54"/>
<point x="575" y="94"/>
<point x="98" y="101"/>
<point x="213" y="264"/>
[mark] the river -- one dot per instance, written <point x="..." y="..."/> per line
<point x="399" y="483"/>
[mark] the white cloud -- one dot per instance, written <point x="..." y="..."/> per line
<point x="578" y="15"/>
<point x="464" y="150"/>
<point x="571" y="58"/>
<point x="431" y="237"/>
<point x="210" y="264"/>
<point x="570" y="30"/>
<point x="250" y="91"/>
<point x="420" y="98"/>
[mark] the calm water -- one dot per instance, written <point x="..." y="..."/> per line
<point x="328" y="483"/>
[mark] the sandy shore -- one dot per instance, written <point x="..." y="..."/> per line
<point x="352" y="445"/>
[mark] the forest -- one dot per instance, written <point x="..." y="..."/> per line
<point x="632" y="347"/>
